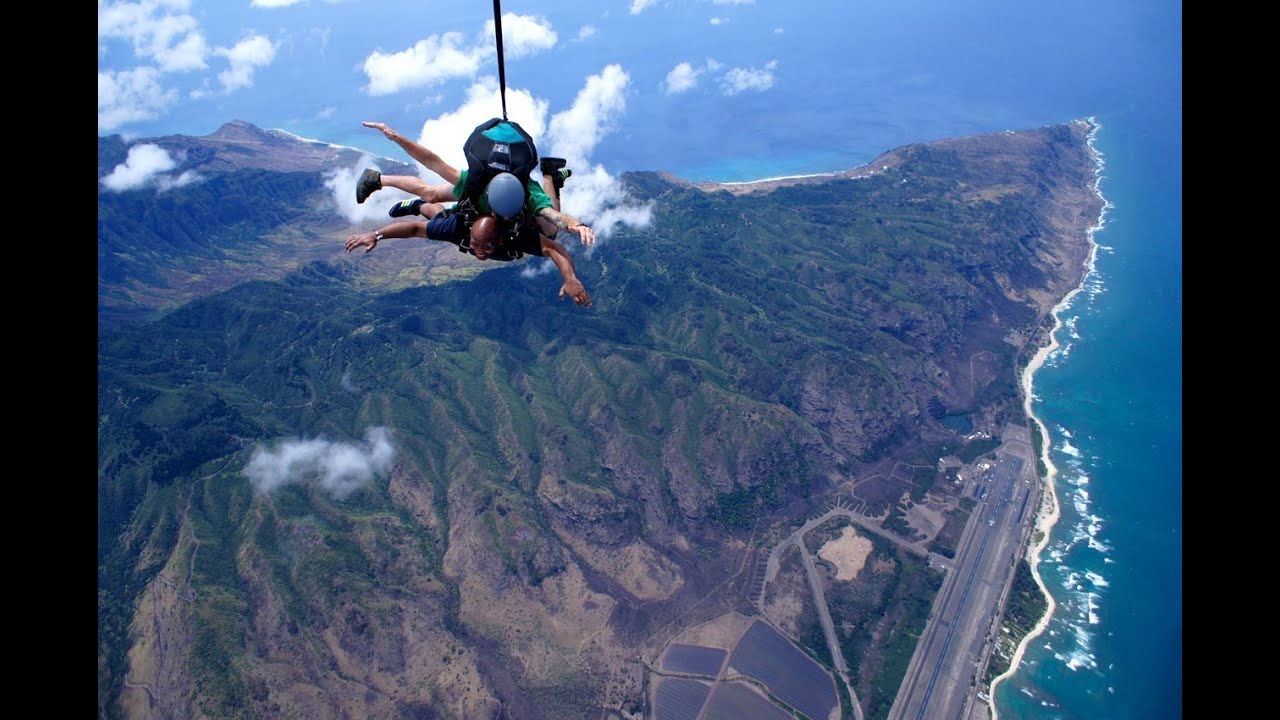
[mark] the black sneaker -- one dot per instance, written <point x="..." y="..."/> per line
<point x="560" y="176"/>
<point x="549" y="165"/>
<point x="555" y="169"/>
<point x="370" y="181"/>
<point x="406" y="207"/>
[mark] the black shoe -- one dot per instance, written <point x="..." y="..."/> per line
<point x="406" y="207"/>
<point x="560" y="176"/>
<point x="370" y="181"/>
<point x="550" y="165"/>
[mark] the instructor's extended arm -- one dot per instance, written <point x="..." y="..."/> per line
<point x="572" y="286"/>
<point x="432" y="161"/>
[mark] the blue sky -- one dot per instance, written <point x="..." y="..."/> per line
<point x="318" y="67"/>
<point x="708" y="89"/>
<point x="698" y="82"/>
<point x="575" y="74"/>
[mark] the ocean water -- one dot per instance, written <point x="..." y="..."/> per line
<point x="1111" y="397"/>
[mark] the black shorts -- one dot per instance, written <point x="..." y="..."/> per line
<point x="446" y="226"/>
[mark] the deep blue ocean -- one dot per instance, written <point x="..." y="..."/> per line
<point x="1111" y="397"/>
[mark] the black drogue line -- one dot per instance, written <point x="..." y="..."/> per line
<point x="502" y="69"/>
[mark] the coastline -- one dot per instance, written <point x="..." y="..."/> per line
<point x="832" y="174"/>
<point x="1048" y="514"/>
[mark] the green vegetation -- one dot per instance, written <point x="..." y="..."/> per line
<point x="724" y="372"/>
<point x="824" y="533"/>
<point x="949" y="536"/>
<point x="814" y="641"/>
<point x="922" y="481"/>
<point x="1024" y="608"/>
<point x="739" y="509"/>
<point x="879" y="618"/>
<point x="1037" y="443"/>
<point x="920" y="585"/>
<point x="846" y="704"/>
<point x="975" y="449"/>
<point x="564" y="701"/>
<point x="897" y="522"/>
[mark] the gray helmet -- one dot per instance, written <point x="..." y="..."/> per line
<point x="505" y="195"/>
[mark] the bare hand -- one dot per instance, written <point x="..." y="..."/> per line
<point x="382" y="127"/>
<point x="369" y="241"/>
<point x="573" y="288"/>
<point x="587" y="234"/>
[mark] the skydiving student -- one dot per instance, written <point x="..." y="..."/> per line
<point x="542" y="202"/>
<point x="503" y="219"/>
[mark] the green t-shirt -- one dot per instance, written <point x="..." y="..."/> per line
<point x="537" y="197"/>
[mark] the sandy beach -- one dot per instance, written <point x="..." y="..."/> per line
<point x="1048" y="514"/>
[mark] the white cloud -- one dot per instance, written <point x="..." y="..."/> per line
<point x="575" y="132"/>
<point x="429" y="62"/>
<point x="712" y="65"/>
<point x="681" y="78"/>
<point x="147" y="164"/>
<point x="323" y="35"/>
<point x="142" y="164"/>
<point x="739" y="80"/>
<point x="340" y="468"/>
<point x="168" y="182"/>
<point x="592" y="194"/>
<point x="779" y="30"/>
<point x="347" y="385"/>
<point x="446" y="133"/>
<point x="201" y="92"/>
<point x="638" y="6"/>
<point x="327" y="112"/>
<point x="247" y="55"/>
<point x="158" y="29"/>
<point x="188" y="54"/>
<point x="586" y="31"/>
<point x="522" y="35"/>
<point x="129" y="96"/>
<point x="719" y="20"/>
<point x="273" y="3"/>
<point x="439" y="58"/>
<point x="533" y="269"/>
<point x="599" y="199"/>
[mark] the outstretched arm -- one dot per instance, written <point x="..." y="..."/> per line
<point x="572" y="286"/>
<point x="369" y="240"/>
<point x="432" y="161"/>
<point x="565" y="221"/>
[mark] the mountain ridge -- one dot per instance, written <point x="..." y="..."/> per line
<point x="571" y="487"/>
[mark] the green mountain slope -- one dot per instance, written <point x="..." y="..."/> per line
<point x="567" y="484"/>
<point x="258" y="210"/>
